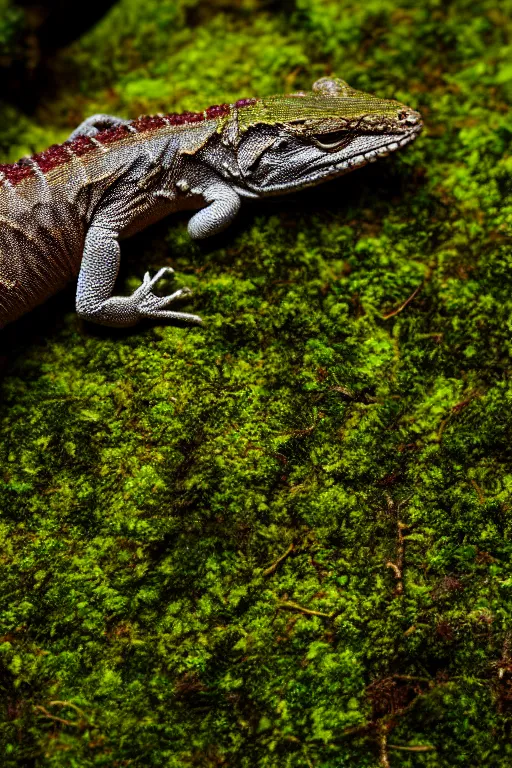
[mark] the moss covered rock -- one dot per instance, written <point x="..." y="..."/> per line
<point x="284" y="538"/>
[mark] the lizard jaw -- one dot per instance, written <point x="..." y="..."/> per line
<point x="326" y="172"/>
<point x="373" y="155"/>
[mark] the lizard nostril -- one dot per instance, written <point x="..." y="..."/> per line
<point x="409" y="118"/>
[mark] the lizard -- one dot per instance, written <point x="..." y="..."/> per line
<point x="64" y="210"/>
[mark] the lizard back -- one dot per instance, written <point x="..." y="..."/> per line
<point x="46" y="202"/>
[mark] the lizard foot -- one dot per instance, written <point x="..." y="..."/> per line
<point x="155" y="307"/>
<point x="125" y="311"/>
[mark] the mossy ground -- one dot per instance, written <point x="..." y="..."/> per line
<point x="284" y="538"/>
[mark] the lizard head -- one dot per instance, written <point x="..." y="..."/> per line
<point x="288" y="142"/>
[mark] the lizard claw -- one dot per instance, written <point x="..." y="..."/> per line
<point x="155" y="307"/>
<point x="149" y="281"/>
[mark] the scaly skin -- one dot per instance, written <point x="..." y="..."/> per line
<point x="62" y="212"/>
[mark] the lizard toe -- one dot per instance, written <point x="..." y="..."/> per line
<point x="161" y="272"/>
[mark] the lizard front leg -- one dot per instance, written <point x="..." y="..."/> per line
<point x="94" y="300"/>
<point x="95" y="124"/>
<point x="223" y="206"/>
<point x="100" y="265"/>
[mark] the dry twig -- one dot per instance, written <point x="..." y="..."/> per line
<point x="272" y="568"/>
<point x="54" y="717"/>
<point x="288" y="605"/>
<point x="415" y="748"/>
<point x="404" y="303"/>
<point x="398" y="566"/>
<point x="383" y="746"/>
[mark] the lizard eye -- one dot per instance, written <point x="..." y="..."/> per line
<point x="332" y="141"/>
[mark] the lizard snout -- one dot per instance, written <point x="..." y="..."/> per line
<point x="409" y="118"/>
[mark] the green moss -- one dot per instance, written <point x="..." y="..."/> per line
<point x="13" y="28"/>
<point x="150" y="481"/>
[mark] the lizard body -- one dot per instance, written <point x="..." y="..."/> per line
<point x="63" y="211"/>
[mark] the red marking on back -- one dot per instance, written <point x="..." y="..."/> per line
<point x="110" y="135"/>
<point x="218" y="110"/>
<point x="52" y="157"/>
<point x="81" y="145"/>
<point x="184" y="118"/>
<point x="148" y="123"/>
<point x="18" y="171"/>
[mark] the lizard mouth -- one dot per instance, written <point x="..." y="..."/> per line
<point x="332" y="170"/>
<point x="362" y="158"/>
<point x="332" y="164"/>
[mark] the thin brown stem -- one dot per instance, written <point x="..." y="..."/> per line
<point x="398" y="566"/>
<point x="405" y="303"/>
<point x="415" y="748"/>
<point x="58" y="703"/>
<point x="54" y="717"/>
<point x="273" y="568"/>
<point x="383" y="746"/>
<point x="288" y="605"/>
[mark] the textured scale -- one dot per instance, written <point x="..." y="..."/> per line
<point x="63" y="211"/>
